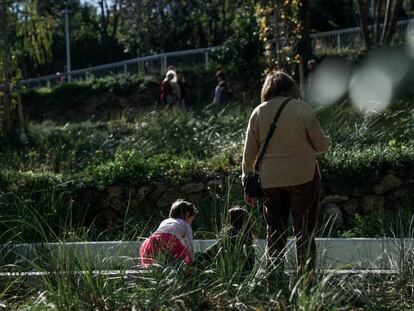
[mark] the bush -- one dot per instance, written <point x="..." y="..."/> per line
<point x="122" y="85"/>
<point x="92" y="98"/>
<point x="242" y="52"/>
<point x="347" y="168"/>
<point x="129" y="168"/>
<point x="383" y="223"/>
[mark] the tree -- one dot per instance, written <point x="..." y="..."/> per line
<point x="106" y="23"/>
<point x="162" y="26"/>
<point x="22" y="30"/>
<point x="242" y="51"/>
<point x="4" y="20"/>
<point x="284" y="30"/>
<point x="94" y="37"/>
<point x="33" y="31"/>
<point x="326" y="15"/>
<point x="372" y="33"/>
<point x="304" y="43"/>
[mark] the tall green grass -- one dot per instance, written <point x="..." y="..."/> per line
<point x="73" y="282"/>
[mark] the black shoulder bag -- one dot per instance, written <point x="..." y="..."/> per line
<point x="252" y="185"/>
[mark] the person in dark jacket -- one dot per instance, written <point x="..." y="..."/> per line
<point x="222" y="92"/>
<point x="183" y="100"/>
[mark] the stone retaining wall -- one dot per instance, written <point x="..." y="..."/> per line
<point x="110" y="205"/>
<point x="389" y="192"/>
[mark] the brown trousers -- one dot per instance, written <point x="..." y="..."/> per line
<point x="303" y="202"/>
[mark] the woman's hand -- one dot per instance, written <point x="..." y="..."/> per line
<point x="249" y="200"/>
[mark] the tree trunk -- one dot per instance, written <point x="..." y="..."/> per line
<point x="223" y="22"/>
<point x="391" y="26"/>
<point x="386" y="20"/>
<point x="305" y="44"/>
<point x="363" y="18"/>
<point x="276" y="48"/>
<point x="4" y="11"/>
<point x="377" y="23"/>
<point x="22" y="123"/>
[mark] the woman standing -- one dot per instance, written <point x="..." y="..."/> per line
<point x="289" y="174"/>
<point x="168" y="96"/>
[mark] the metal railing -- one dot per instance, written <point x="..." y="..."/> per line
<point x="153" y="64"/>
<point x="349" y="38"/>
<point x="157" y="64"/>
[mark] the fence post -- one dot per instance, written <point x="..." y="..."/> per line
<point x="125" y="69"/>
<point x="338" y="41"/>
<point x="206" y="57"/>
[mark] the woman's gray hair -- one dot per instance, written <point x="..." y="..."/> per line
<point x="277" y="83"/>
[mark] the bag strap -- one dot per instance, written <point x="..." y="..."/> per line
<point x="273" y="126"/>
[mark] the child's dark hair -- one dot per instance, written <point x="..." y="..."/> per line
<point x="239" y="219"/>
<point x="182" y="209"/>
<point x="220" y="74"/>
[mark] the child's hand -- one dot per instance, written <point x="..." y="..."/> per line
<point x="250" y="200"/>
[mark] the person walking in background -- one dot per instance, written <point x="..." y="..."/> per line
<point x="312" y="65"/>
<point x="176" y="89"/>
<point x="183" y="99"/>
<point x="311" y="71"/>
<point x="289" y="173"/>
<point x="222" y="92"/>
<point x="174" y="237"/>
<point x="309" y="94"/>
<point x="168" y="97"/>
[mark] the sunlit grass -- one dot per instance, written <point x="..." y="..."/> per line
<point x="77" y="284"/>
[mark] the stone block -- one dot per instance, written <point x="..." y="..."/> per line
<point x="334" y="212"/>
<point x="387" y="183"/>
<point x="195" y="197"/>
<point x="216" y="185"/>
<point x="143" y="192"/>
<point x="167" y="198"/>
<point x="192" y="188"/>
<point x="157" y="192"/>
<point x="358" y="192"/>
<point x="351" y="207"/>
<point x="372" y="203"/>
<point x="335" y="198"/>
<point x="401" y="192"/>
<point x="114" y="191"/>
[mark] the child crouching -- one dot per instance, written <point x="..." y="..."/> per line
<point x="173" y="238"/>
<point x="235" y="242"/>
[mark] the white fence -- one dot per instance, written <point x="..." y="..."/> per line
<point x="140" y="66"/>
<point x="339" y="39"/>
<point x="349" y="38"/>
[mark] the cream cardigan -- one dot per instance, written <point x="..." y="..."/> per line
<point x="290" y="157"/>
